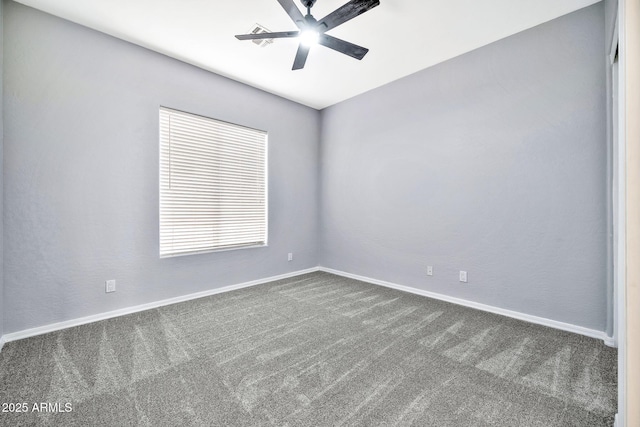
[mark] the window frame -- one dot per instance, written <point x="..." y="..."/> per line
<point x="214" y="249"/>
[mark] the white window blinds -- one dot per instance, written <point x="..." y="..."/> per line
<point x="212" y="185"/>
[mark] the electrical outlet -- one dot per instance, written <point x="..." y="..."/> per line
<point x="463" y="276"/>
<point x="429" y="270"/>
<point x="290" y="257"/>
<point x="110" y="286"/>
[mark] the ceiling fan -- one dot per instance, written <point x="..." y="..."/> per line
<point x="313" y="31"/>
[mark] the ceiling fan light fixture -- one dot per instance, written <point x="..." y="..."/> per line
<point x="309" y="37"/>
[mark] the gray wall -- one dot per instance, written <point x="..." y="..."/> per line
<point x="493" y="162"/>
<point x="81" y="175"/>
<point x="1" y="171"/>
<point x="610" y="11"/>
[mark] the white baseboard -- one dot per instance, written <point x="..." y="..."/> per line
<point x="143" y="307"/>
<point x="491" y="309"/>
<point x="138" y="308"/>
<point x="610" y="341"/>
<point x="615" y="421"/>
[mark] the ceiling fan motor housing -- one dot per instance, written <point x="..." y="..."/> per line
<point x="308" y="3"/>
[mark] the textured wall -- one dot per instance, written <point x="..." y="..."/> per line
<point x="493" y="162"/>
<point x="1" y="171"/>
<point x="81" y="178"/>
<point x="610" y="12"/>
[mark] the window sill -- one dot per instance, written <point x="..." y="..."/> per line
<point x="208" y="251"/>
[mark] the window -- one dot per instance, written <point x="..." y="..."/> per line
<point x="212" y="185"/>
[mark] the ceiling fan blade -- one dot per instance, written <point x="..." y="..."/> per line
<point x="293" y="12"/>
<point x="353" y="50"/>
<point x="260" y="36"/>
<point x="345" y="13"/>
<point x="301" y="57"/>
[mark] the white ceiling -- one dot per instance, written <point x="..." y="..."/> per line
<point x="404" y="36"/>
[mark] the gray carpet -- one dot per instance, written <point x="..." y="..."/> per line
<point x="314" y="350"/>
